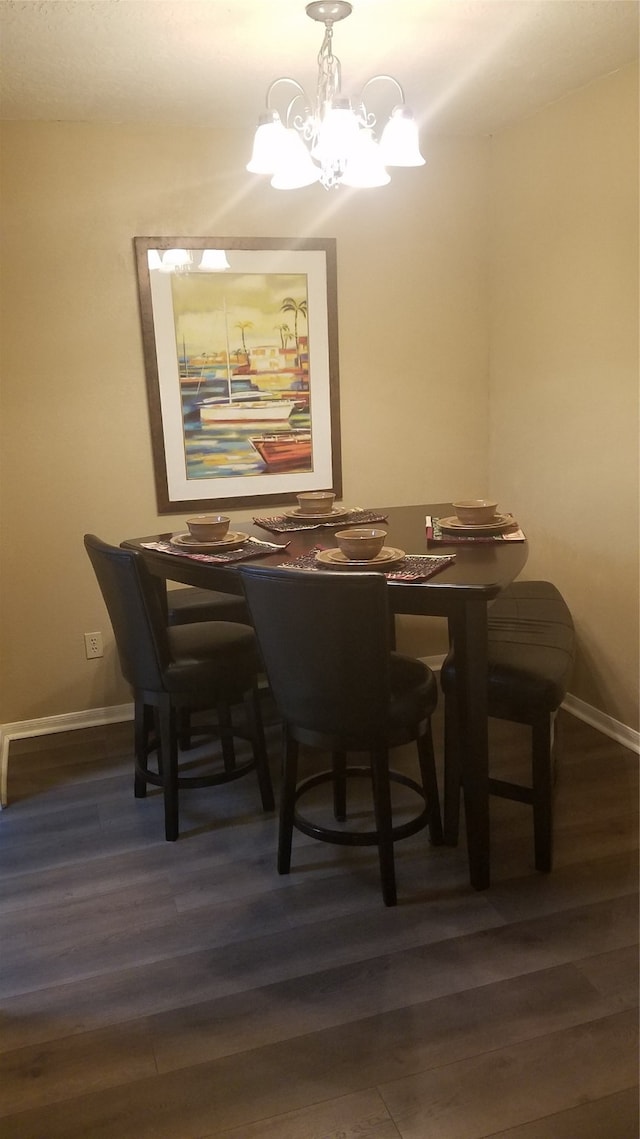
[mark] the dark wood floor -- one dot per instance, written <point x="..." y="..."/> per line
<point x="182" y="991"/>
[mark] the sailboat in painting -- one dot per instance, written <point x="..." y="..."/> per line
<point x="242" y="407"/>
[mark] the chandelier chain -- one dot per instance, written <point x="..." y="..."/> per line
<point x="329" y="72"/>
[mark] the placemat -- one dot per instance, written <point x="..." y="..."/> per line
<point x="413" y="567"/>
<point x="436" y="536"/>
<point x="252" y="548"/>
<point x="282" y="524"/>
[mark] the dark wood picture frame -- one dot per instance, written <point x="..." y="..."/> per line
<point x="191" y="439"/>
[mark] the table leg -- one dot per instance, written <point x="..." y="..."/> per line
<point x="469" y="630"/>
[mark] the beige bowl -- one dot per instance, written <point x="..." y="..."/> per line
<point x="475" y="511"/>
<point x="360" y="544"/>
<point x="208" y="527"/>
<point x="316" y="501"/>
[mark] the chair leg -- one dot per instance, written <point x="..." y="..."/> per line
<point x="287" y="803"/>
<point x="427" y="763"/>
<point x="452" y="781"/>
<point x="339" y="786"/>
<point x="542" y="792"/>
<point x="158" y="735"/>
<point x="142" y="726"/>
<point x="225" y="728"/>
<point x="384" y="824"/>
<point x="184" y="728"/>
<point x="254" y="720"/>
<point x="168" y="744"/>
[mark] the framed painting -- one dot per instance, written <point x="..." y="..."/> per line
<point x="240" y="339"/>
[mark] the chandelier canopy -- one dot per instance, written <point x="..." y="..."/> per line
<point x="329" y="139"/>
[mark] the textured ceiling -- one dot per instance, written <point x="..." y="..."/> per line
<point x="467" y="67"/>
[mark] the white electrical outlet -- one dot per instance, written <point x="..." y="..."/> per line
<point x="93" y="645"/>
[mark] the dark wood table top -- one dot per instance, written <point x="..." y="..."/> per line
<point x="479" y="571"/>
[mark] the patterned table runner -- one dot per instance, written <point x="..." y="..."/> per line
<point x="283" y="523"/>
<point x="436" y="536"/>
<point x="413" y="567"/>
<point x="252" y="548"/>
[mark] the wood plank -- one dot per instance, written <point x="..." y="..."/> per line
<point x="359" y="1116"/>
<point x="615" y="1116"/>
<point x="511" y="1086"/>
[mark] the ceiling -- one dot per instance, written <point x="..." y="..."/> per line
<point x="467" y="66"/>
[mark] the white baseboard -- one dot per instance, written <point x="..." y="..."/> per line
<point x="616" y="730"/>
<point x="96" y="717"/>
<point x="50" y="725"/>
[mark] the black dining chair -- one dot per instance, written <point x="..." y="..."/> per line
<point x="325" y="642"/>
<point x="530" y="658"/>
<point x="196" y="666"/>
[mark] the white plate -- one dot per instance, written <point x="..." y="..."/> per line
<point x="231" y="541"/>
<point x="335" y="559"/>
<point x="500" y="522"/>
<point x="335" y="513"/>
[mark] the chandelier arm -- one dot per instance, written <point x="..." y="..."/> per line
<point x="391" y="79"/>
<point x="284" y="79"/>
<point x="300" y="118"/>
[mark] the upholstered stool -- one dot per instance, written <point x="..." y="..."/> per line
<point x="188" y="605"/>
<point x="339" y="688"/>
<point x="191" y="667"/>
<point x="531" y="650"/>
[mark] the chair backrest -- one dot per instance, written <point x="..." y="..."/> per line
<point x="135" y="611"/>
<point x="324" y="639"/>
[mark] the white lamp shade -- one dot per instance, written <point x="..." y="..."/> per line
<point x="296" y="168"/>
<point x="268" y="142"/>
<point x="399" y="144"/>
<point x="365" y="166"/>
<point x="213" y="261"/>
<point x="175" y="259"/>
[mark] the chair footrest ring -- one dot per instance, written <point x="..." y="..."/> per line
<point x="212" y="779"/>
<point x="358" y="838"/>
<point x="198" y="780"/>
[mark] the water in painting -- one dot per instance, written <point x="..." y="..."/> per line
<point x="243" y="363"/>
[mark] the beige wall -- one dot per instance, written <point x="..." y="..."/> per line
<point x="564" y="367"/>
<point x="74" y="443"/>
<point x="546" y="215"/>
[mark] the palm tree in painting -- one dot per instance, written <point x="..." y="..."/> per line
<point x="298" y="308"/>
<point x="243" y="325"/>
<point x="285" y="334"/>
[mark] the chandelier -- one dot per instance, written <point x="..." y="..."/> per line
<point x="329" y="139"/>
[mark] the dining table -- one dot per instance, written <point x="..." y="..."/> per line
<point x="470" y="574"/>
